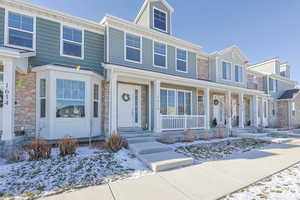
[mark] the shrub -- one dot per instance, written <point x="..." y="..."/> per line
<point x="115" y="142"/>
<point x="67" y="146"/>
<point x="167" y="139"/>
<point x="214" y="123"/>
<point x="249" y="123"/>
<point x="39" y="149"/>
<point x="188" y="136"/>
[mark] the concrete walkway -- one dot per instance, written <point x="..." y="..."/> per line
<point x="210" y="180"/>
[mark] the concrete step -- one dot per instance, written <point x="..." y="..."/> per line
<point x="148" y="148"/>
<point x="165" y="160"/>
<point x="250" y="135"/>
<point x="135" y="140"/>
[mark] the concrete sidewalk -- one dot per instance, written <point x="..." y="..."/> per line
<point x="210" y="180"/>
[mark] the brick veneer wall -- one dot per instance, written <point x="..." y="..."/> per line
<point x="250" y="82"/>
<point x="25" y="107"/>
<point x="203" y="68"/>
<point x="296" y="118"/>
<point x="247" y="111"/>
<point x="105" y="107"/>
<point x="283" y="112"/>
<point x="144" y="106"/>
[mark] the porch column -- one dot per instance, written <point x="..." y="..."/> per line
<point x="254" y="111"/>
<point x="228" y="109"/>
<point x="241" y="111"/>
<point x="261" y="108"/>
<point x="157" y="118"/>
<point x="9" y="101"/>
<point x="206" y="108"/>
<point x="113" y="103"/>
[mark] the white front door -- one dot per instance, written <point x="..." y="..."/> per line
<point x="129" y="106"/>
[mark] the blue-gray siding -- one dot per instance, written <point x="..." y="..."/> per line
<point x="117" y="53"/>
<point x="2" y="21"/>
<point x="160" y="6"/>
<point x="48" y="47"/>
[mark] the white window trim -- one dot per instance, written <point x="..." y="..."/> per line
<point x="231" y="66"/>
<point x="167" y="17"/>
<point x="153" y="53"/>
<point x="187" y="60"/>
<point x="141" y="48"/>
<point x="6" y="32"/>
<point x="62" y="42"/>
<point x="176" y="99"/>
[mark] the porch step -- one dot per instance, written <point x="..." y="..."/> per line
<point x="130" y="130"/>
<point x="148" y="148"/>
<point x="135" y="140"/>
<point x="165" y="160"/>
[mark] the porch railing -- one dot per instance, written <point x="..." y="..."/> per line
<point x="181" y="122"/>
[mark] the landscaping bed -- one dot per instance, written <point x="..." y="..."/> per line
<point x="219" y="148"/>
<point x="89" y="166"/>
<point x="282" y="186"/>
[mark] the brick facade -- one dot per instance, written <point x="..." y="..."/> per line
<point x="296" y="117"/>
<point x="250" y="82"/>
<point x="105" y="107"/>
<point x="203" y="68"/>
<point x="283" y="108"/>
<point x="25" y="102"/>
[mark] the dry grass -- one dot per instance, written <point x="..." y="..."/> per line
<point x="116" y="142"/>
<point x="67" y="146"/>
<point x="38" y="149"/>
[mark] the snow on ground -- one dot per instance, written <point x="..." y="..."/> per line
<point x="218" y="149"/>
<point x="282" y="186"/>
<point x="90" y="166"/>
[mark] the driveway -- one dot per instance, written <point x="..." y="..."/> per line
<point x="209" y="180"/>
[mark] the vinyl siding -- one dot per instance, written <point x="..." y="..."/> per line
<point x="117" y="53"/>
<point x="48" y="47"/>
<point x="2" y="21"/>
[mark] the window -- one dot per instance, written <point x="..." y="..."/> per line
<point x="159" y="54"/>
<point x="282" y="74"/>
<point x="265" y="109"/>
<point x="20" y="30"/>
<point x="200" y="99"/>
<point x="272" y="84"/>
<point x="255" y="83"/>
<point x="72" y="42"/>
<point x="70" y="99"/>
<point x="173" y="102"/>
<point x="96" y="100"/>
<point x="293" y="109"/>
<point x="1" y="77"/>
<point x="133" y="48"/>
<point x="181" y="60"/>
<point x="238" y="73"/>
<point x="160" y="20"/>
<point x="273" y="110"/>
<point x="42" y="98"/>
<point x="226" y="69"/>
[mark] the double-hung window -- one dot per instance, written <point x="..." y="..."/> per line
<point x="72" y="42"/>
<point x="293" y="109"/>
<point x="42" y="98"/>
<point x="272" y="85"/>
<point x="255" y="83"/>
<point x="175" y="102"/>
<point x="20" y="30"/>
<point x="133" y="48"/>
<point x="96" y="100"/>
<point x="70" y="99"/>
<point x="238" y="73"/>
<point x="160" y="20"/>
<point x="181" y="60"/>
<point x="159" y="54"/>
<point x="226" y="69"/>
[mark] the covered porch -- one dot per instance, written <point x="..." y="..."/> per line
<point x="157" y="103"/>
<point x="12" y="61"/>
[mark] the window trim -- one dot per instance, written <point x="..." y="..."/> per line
<point x="96" y="101"/>
<point x="141" y="48"/>
<point x="167" y="16"/>
<point x="6" y="30"/>
<point x="240" y="73"/>
<point x="41" y="98"/>
<point x="62" y="41"/>
<point x="187" y="60"/>
<point x="229" y="80"/>
<point x="153" y="53"/>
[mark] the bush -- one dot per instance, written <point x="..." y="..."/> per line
<point x="39" y="149"/>
<point x="67" y="146"/>
<point x="214" y="123"/>
<point x="115" y="142"/>
<point x="249" y="123"/>
<point x="188" y="136"/>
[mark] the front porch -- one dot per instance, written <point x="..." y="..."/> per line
<point x="155" y="106"/>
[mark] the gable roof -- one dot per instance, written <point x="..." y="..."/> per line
<point x="230" y="49"/>
<point x="146" y="2"/>
<point x="289" y="94"/>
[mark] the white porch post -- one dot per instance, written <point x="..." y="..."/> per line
<point x="241" y="110"/>
<point x="228" y="110"/>
<point x="254" y="111"/>
<point x="9" y="101"/>
<point x="157" y="118"/>
<point x="206" y="108"/>
<point x="261" y="108"/>
<point x="113" y="104"/>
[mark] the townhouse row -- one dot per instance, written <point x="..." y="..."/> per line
<point x="63" y="75"/>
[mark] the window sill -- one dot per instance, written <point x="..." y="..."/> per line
<point x="19" y="47"/>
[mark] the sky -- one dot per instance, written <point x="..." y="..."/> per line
<point x="263" y="29"/>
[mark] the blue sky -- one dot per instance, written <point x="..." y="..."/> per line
<point x="263" y="29"/>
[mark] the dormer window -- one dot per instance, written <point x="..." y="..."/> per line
<point x="160" y="20"/>
<point x="238" y="73"/>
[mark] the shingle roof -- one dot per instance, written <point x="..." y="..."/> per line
<point x="289" y="94"/>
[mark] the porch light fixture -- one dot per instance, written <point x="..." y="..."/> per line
<point x="77" y="67"/>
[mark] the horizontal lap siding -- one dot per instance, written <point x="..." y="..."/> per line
<point x="2" y="21"/>
<point x="48" y="47"/>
